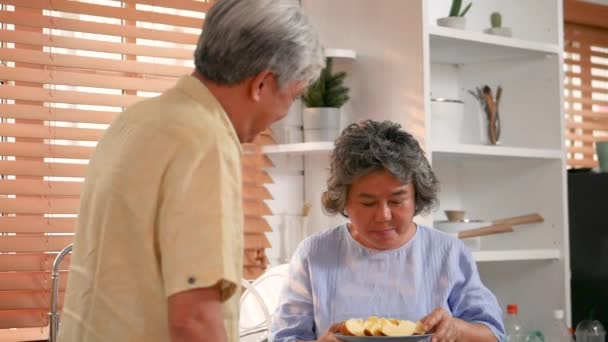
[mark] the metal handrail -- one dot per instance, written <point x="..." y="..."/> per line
<point x="53" y="314"/>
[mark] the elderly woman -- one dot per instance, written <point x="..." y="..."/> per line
<point x="382" y="263"/>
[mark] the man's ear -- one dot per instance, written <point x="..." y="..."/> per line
<point x="260" y="82"/>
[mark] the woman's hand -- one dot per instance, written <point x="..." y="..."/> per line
<point x="445" y="328"/>
<point x="329" y="335"/>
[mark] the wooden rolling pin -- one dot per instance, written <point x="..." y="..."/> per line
<point x="483" y="231"/>
<point x="516" y="220"/>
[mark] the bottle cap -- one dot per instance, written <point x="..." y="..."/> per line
<point x="512" y="308"/>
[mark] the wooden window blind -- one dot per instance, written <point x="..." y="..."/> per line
<point x="68" y="67"/>
<point x="586" y="80"/>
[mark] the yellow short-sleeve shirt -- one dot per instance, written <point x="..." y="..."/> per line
<point x="161" y="212"/>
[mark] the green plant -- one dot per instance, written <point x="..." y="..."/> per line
<point x="455" y="9"/>
<point x="496" y="20"/>
<point x="328" y="90"/>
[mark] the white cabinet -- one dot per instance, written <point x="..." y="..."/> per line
<point x="404" y="60"/>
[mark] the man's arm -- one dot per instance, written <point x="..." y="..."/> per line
<point x="196" y="316"/>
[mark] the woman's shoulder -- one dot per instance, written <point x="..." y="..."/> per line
<point x="321" y="242"/>
<point x="436" y="239"/>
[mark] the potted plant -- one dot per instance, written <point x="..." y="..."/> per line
<point x="456" y="18"/>
<point x="323" y="100"/>
<point x="497" y="29"/>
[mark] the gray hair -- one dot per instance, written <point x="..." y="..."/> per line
<point x="370" y="146"/>
<point x="242" y="38"/>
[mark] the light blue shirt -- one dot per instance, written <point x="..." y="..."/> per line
<point x="332" y="278"/>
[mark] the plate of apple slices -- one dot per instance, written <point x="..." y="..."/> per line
<point x="382" y="329"/>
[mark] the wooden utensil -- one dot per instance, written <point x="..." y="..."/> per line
<point x="524" y="219"/>
<point x="483" y="231"/>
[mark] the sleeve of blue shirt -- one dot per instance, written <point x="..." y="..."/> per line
<point x="471" y="301"/>
<point x="294" y="318"/>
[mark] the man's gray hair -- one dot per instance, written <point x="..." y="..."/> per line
<point x="242" y="38"/>
<point x="370" y="146"/>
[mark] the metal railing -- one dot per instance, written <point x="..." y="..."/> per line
<point x="54" y="314"/>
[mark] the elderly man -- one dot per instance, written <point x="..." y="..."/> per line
<point x="158" y="248"/>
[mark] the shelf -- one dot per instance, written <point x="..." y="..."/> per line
<point x="446" y="151"/>
<point x="341" y="53"/>
<point x="517" y="255"/>
<point x="455" y="46"/>
<point x="299" y="148"/>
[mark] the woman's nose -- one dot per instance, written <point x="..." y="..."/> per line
<point x="383" y="212"/>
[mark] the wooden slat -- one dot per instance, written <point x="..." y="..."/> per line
<point x="108" y="12"/>
<point x="23" y="318"/>
<point x="27" y="112"/>
<point x="259" y="161"/>
<point x="582" y="163"/>
<point x="583" y="138"/>
<point x="47" y="205"/>
<point x="586" y="150"/>
<point x="586" y="88"/>
<point x="188" y="5"/>
<point x="20" y="149"/>
<point x="256" y="241"/>
<point x="256" y="177"/>
<point x="36" y="224"/>
<point x="31" y="262"/>
<point x="93" y="63"/>
<point x="26" y="299"/>
<point x="49" y="132"/>
<point x="33" y="187"/>
<point x="579" y="12"/>
<point x="29" y="280"/>
<point x="66" y="96"/>
<point x="593" y="77"/>
<point x="32" y="168"/>
<point x="256" y="225"/>
<point x="598" y="126"/>
<point x="40" y="39"/>
<point x="43" y="21"/>
<point x="587" y="114"/>
<point x="587" y="101"/>
<point x="255" y="208"/>
<point x="255" y="192"/>
<point x="83" y="79"/>
<point x="32" y="243"/>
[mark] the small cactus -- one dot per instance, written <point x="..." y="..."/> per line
<point x="496" y="20"/>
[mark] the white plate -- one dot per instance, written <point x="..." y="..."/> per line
<point x="457" y="226"/>
<point x="412" y="338"/>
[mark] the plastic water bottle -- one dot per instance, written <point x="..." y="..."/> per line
<point x="558" y="332"/>
<point x="513" y="329"/>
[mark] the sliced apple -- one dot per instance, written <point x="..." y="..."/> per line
<point x="354" y="327"/>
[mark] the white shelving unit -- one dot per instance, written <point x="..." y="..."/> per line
<point x="464" y="47"/>
<point x="517" y="255"/>
<point x="299" y="148"/>
<point x="525" y="173"/>
<point x="340" y="53"/>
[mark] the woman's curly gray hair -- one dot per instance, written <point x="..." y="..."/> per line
<point x="370" y="146"/>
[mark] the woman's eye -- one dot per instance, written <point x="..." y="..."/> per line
<point x="368" y="204"/>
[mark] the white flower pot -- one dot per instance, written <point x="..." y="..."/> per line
<point x="453" y="22"/>
<point x="321" y="124"/>
<point x="499" y="31"/>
